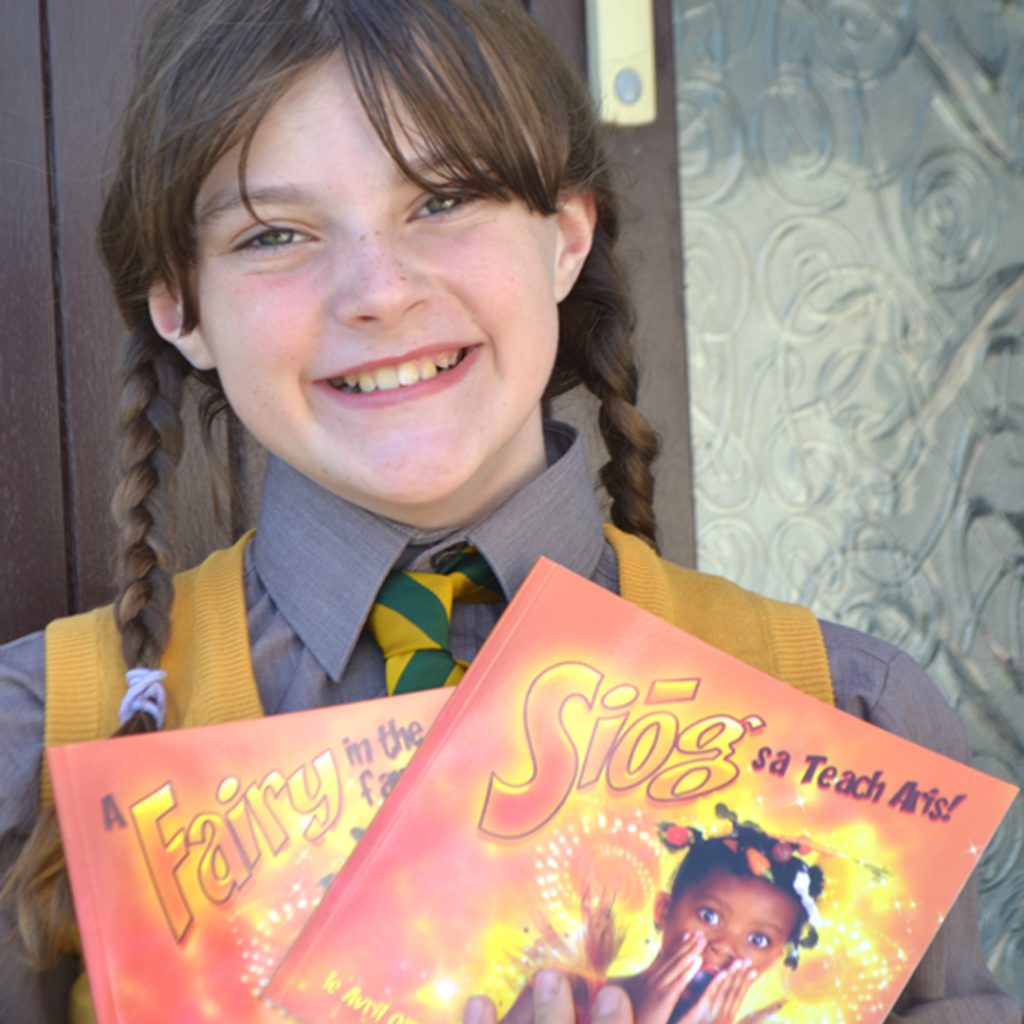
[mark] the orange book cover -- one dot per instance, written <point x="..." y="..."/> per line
<point x="601" y="787"/>
<point x="195" y="855"/>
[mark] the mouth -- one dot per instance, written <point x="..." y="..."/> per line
<point x="392" y="376"/>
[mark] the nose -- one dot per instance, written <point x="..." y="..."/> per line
<point x="377" y="280"/>
<point x="724" y="945"/>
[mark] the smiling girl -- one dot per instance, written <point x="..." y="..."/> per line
<point x="381" y="233"/>
<point x="390" y="342"/>
<point x="739" y="904"/>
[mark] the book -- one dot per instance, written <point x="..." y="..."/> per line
<point x="591" y="751"/>
<point x="195" y="855"/>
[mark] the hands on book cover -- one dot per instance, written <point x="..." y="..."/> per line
<point x="599" y="786"/>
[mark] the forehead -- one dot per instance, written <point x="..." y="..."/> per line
<point x="322" y="99"/>
<point x="753" y="898"/>
<point x="318" y="126"/>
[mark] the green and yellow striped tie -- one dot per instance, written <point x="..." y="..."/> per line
<point x="412" y="620"/>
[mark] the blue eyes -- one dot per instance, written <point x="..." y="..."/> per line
<point x="442" y="204"/>
<point x="712" y="917"/>
<point x="272" y="238"/>
<point x="280" y="238"/>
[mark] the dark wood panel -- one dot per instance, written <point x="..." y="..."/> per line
<point x="92" y="57"/>
<point x="647" y="165"/>
<point x="33" y="585"/>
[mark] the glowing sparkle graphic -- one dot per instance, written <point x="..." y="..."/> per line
<point x="596" y="876"/>
<point x="445" y="989"/>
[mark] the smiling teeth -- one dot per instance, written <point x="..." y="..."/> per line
<point x="387" y="378"/>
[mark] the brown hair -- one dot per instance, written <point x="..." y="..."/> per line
<point x="496" y="112"/>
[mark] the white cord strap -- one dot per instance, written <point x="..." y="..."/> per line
<point x="145" y="693"/>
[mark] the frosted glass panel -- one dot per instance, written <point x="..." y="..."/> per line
<point x="853" y="195"/>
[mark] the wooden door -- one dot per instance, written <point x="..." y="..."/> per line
<point x="65" y="72"/>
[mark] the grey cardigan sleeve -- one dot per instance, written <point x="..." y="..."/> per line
<point x="878" y="683"/>
<point x="26" y="995"/>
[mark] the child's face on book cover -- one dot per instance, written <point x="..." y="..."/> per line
<point x="741" y="918"/>
<point x="390" y="343"/>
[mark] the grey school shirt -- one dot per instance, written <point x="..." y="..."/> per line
<point x="311" y="576"/>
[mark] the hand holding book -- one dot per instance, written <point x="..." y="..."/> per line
<point x="551" y="1002"/>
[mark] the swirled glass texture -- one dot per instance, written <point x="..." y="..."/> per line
<point x="852" y="176"/>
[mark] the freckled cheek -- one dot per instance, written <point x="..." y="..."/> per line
<point x="519" y="270"/>
<point x="277" y="325"/>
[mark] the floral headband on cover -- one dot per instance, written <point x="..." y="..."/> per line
<point x="779" y="861"/>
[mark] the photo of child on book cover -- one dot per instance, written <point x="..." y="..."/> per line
<point x="738" y="905"/>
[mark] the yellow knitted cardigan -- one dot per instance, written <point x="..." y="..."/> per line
<point x="209" y="668"/>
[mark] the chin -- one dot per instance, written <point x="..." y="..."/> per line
<point x="421" y="511"/>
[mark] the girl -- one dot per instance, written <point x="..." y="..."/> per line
<point x="381" y="233"/>
<point x="739" y="903"/>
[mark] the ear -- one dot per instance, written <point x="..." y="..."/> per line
<point x="166" y="314"/>
<point x="662" y="905"/>
<point x="576" y="218"/>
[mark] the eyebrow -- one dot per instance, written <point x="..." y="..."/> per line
<point x="229" y="198"/>
<point x="226" y="200"/>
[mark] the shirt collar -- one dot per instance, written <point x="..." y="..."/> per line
<point x="323" y="559"/>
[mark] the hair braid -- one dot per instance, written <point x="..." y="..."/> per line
<point x="152" y="432"/>
<point x="38" y="890"/>
<point x="597" y="350"/>
<point x="150" y="420"/>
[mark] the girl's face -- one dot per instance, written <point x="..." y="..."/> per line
<point x="390" y="344"/>
<point x="741" y="918"/>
